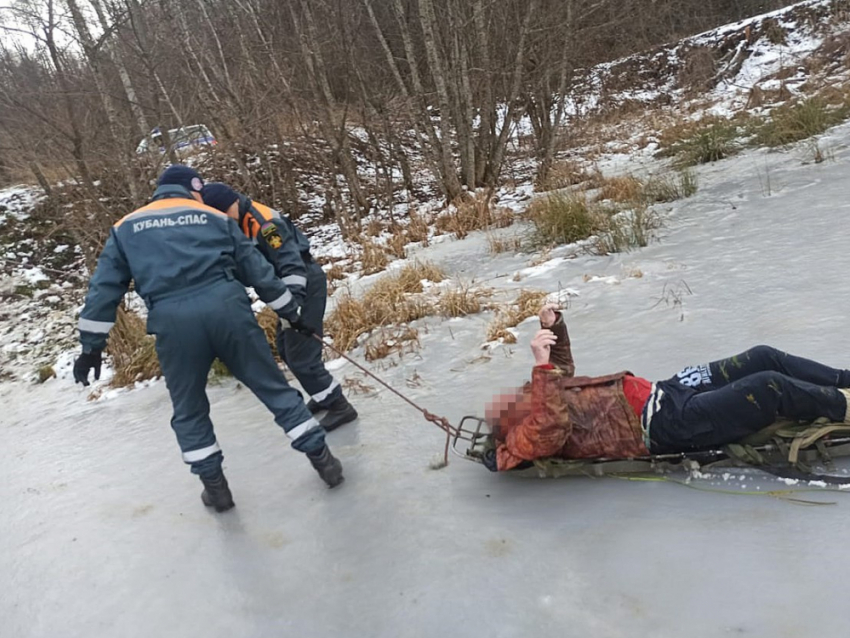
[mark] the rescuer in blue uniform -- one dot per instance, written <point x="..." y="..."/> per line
<point x="288" y="250"/>
<point x="190" y="264"/>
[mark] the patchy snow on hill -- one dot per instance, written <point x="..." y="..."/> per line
<point x="106" y="534"/>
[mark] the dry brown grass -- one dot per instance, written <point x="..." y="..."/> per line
<point x="417" y="228"/>
<point x="335" y="273"/>
<point x="474" y="213"/>
<point x="390" y="301"/>
<point x="133" y="351"/>
<point x="354" y="385"/>
<point x="396" y="244"/>
<point x="269" y="320"/>
<point x="497" y="245"/>
<point x="562" y="174"/>
<point x="411" y="276"/>
<point x="527" y="304"/>
<point x="564" y="217"/>
<point x="399" y="340"/>
<point x="374" y="227"/>
<point x="541" y="258"/>
<point x="373" y="258"/>
<point x="462" y="301"/>
<point x="625" y="188"/>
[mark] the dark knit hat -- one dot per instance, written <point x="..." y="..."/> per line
<point x="181" y="175"/>
<point x="219" y="196"/>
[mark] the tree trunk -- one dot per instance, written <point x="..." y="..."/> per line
<point x="142" y="126"/>
<point x="76" y="134"/>
<point x="495" y="165"/>
<point x="93" y="57"/>
<point x="438" y="75"/>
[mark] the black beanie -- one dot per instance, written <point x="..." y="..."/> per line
<point x="219" y="196"/>
<point x="181" y="175"/>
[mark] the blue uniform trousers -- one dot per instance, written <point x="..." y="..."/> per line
<point x="217" y="321"/>
<point x="303" y="354"/>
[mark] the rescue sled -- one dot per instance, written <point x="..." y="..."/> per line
<point x="786" y="449"/>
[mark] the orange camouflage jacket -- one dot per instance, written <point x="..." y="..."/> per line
<point x="569" y="417"/>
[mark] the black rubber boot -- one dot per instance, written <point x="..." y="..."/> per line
<point x="313" y="406"/>
<point x="339" y="413"/>
<point x="327" y="465"/>
<point x="217" y="493"/>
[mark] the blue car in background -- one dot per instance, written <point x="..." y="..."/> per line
<point x="185" y="140"/>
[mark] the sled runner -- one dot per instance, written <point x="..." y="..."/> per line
<point x="785" y="449"/>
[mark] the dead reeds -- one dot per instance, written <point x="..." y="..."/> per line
<point x="472" y="213"/>
<point x="132" y="349"/>
<point x="462" y="301"/>
<point x="527" y="304"/>
<point x="373" y="258"/>
<point x="392" y="300"/>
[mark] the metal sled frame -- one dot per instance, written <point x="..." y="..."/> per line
<point x="473" y="438"/>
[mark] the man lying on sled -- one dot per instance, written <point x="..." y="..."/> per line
<point x="621" y="415"/>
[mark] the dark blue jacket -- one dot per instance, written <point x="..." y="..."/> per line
<point x="280" y="241"/>
<point x="175" y="245"/>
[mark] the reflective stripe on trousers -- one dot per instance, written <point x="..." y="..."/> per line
<point x="193" y="456"/>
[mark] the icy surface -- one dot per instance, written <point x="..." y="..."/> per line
<point x="104" y="534"/>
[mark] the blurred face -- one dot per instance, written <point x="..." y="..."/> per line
<point x="196" y="195"/>
<point x="233" y="211"/>
<point x="506" y="410"/>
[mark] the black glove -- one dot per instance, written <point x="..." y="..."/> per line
<point x="489" y="460"/>
<point x="86" y="362"/>
<point x="297" y="325"/>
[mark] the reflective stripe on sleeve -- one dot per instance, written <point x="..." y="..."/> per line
<point x="300" y="430"/>
<point x="324" y="394"/>
<point x="295" y="280"/>
<point x="100" y="327"/>
<point x="193" y="456"/>
<point x="281" y="301"/>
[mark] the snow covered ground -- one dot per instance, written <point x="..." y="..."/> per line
<point x="104" y="533"/>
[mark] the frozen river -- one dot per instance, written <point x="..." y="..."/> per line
<point x="104" y="534"/>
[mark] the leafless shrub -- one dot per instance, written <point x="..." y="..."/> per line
<point x="699" y="67"/>
<point x="774" y="32"/>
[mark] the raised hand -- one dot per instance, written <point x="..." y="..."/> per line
<point x="549" y="315"/>
<point x="541" y="346"/>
